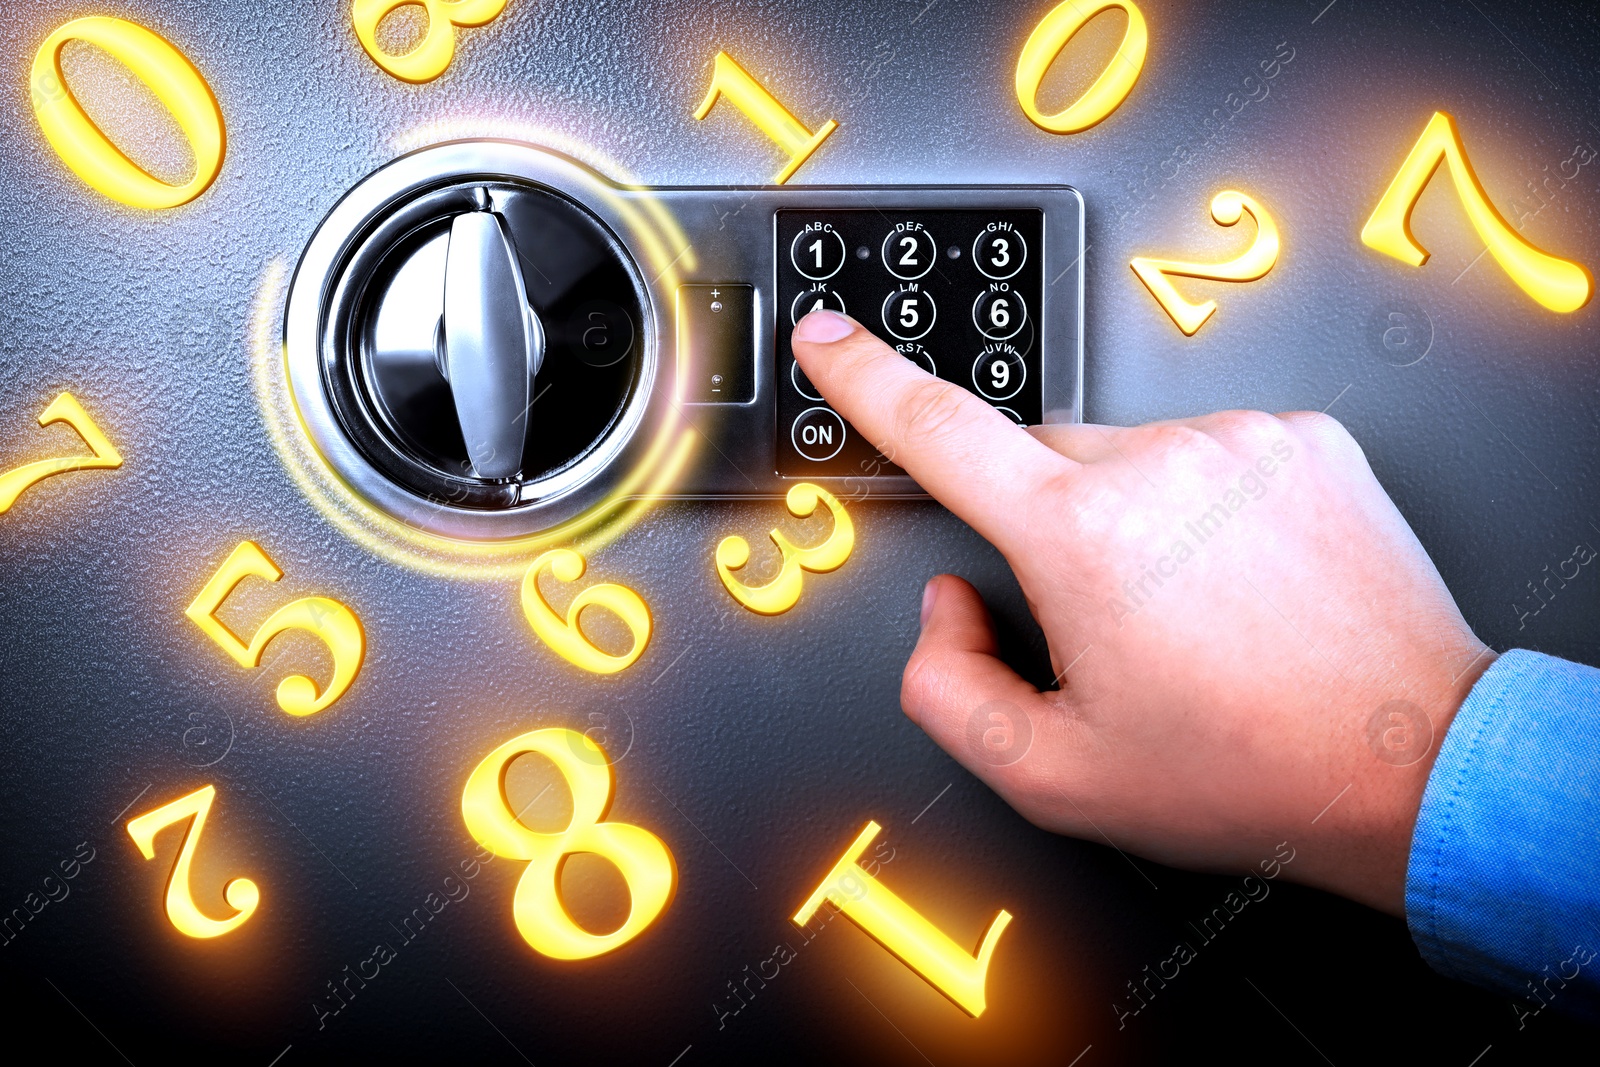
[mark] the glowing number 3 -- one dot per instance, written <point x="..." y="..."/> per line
<point x="429" y="59"/>
<point x="81" y="145"/>
<point x="1227" y="208"/>
<point x="563" y="634"/>
<point x="783" y="592"/>
<point x="330" y="621"/>
<point x="640" y="857"/>
<point x="1109" y="90"/>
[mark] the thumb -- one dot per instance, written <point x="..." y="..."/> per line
<point x="958" y="689"/>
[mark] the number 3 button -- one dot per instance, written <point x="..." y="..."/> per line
<point x="999" y="372"/>
<point x="908" y="313"/>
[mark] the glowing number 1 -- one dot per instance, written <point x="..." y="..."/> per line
<point x="1556" y="283"/>
<point x="901" y="929"/>
<point x="772" y="118"/>
<point x="64" y="408"/>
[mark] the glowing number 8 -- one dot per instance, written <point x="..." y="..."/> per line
<point x="1109" y="90"/>
<point x="430" y="58"/>
<point x="81" y="144"/>
<point x="643" y="861"/>
<point x="563" y="634"/>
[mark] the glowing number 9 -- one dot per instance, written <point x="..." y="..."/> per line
<point x="1109" y="90"/>
<point x="563" y="634"/>
<point x="430" y="58"/>
<point x="81" y="144"/>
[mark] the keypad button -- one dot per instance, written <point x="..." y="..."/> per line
<point x="817" y="251"/>
<point x="802" y="384"/>
<point x="999" y="250"/>
<point x="999" y="312"/>
<point x="818" y="434"/>
<point x="816" y="298"/>
<point x="909" y="313"/>
<point x="909" y="251"/>
<point x="999" y="372"/>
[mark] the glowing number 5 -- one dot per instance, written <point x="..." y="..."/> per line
<point x="81" y="145"/>
<point x="64" y="408"/>
<point x="328" y="620"/>
<point x="783" y="592"/>
<point x="563" y="634"/>
<point x="1109" y="90"/>
<point x="1227" y="208"/>
<point x="429" y="59"/>
<point x="643" y="861"/>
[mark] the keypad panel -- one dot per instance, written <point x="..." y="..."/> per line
<point x="957" y="292"/>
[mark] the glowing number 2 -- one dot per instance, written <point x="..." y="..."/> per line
<point x="640" y="857"/>
<point x="330" y="621"/>
<point x="901" y="929"/>
<point x="241" y="893"/>
<point x="64" y="408"/>
<point x="563" y="634"/>
<point x="81" y="144"/>
<point x="772" y="118"/>
<point x="1555" y="283"/>
<point x="430" y="58"/>
<point x="1109" y="90"/>
<point x="1227" y="208"/>
<point x="783" y="592"/>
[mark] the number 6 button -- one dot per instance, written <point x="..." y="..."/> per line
<point x="999" y="312"/>
<point x="909" y="312"/>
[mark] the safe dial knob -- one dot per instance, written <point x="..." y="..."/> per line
<point x="470" y="344"/>
<point x="489" y="344"/>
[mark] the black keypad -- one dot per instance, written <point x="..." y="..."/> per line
<point x="955" y="292"/>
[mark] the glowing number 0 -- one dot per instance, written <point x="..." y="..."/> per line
<point x="1227" y="208"/>
<point x="241" y="893"/>
<point x="563" y="634"/>
<point x="643" y="861"/>
<point x="1108" y="91"/>
<point x="81" y="144"/>
<point x="430" y="58"/>
<point x="330" y="621"/>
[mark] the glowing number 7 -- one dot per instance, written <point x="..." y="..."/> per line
<point x="241" y="893"/>
<point x="1556" y="283"/>
<point x="328" y="620"/>
<point x="64" y="408"/>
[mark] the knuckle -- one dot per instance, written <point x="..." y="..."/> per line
<point x="928" y="412"/>
<point x="1323" y="431"/>
<point x="1249" y="429"/>
<point x="1178" y="439"/>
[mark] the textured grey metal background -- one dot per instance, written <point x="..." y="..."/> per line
<point x="759" y="747"/>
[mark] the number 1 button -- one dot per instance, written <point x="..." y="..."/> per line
<point x="817" y="251"/>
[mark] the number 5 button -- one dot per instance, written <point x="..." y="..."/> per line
<point x="908" y="313"/>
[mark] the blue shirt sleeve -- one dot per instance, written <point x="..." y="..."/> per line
<point x="1503" y="883"/>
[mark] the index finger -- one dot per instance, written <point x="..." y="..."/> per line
<point x="967" y="455"/>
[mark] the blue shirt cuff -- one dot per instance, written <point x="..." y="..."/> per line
<point x="1503" y="883"/>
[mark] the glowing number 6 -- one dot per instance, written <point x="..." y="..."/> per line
<point x="81" y="144"/>
<point x="1109" y="90"/>
<point x="430" y="58"/>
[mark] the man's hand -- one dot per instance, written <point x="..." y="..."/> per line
<point x="1252" y="647"/>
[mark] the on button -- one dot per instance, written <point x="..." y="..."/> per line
<point x="818" y="434"/>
